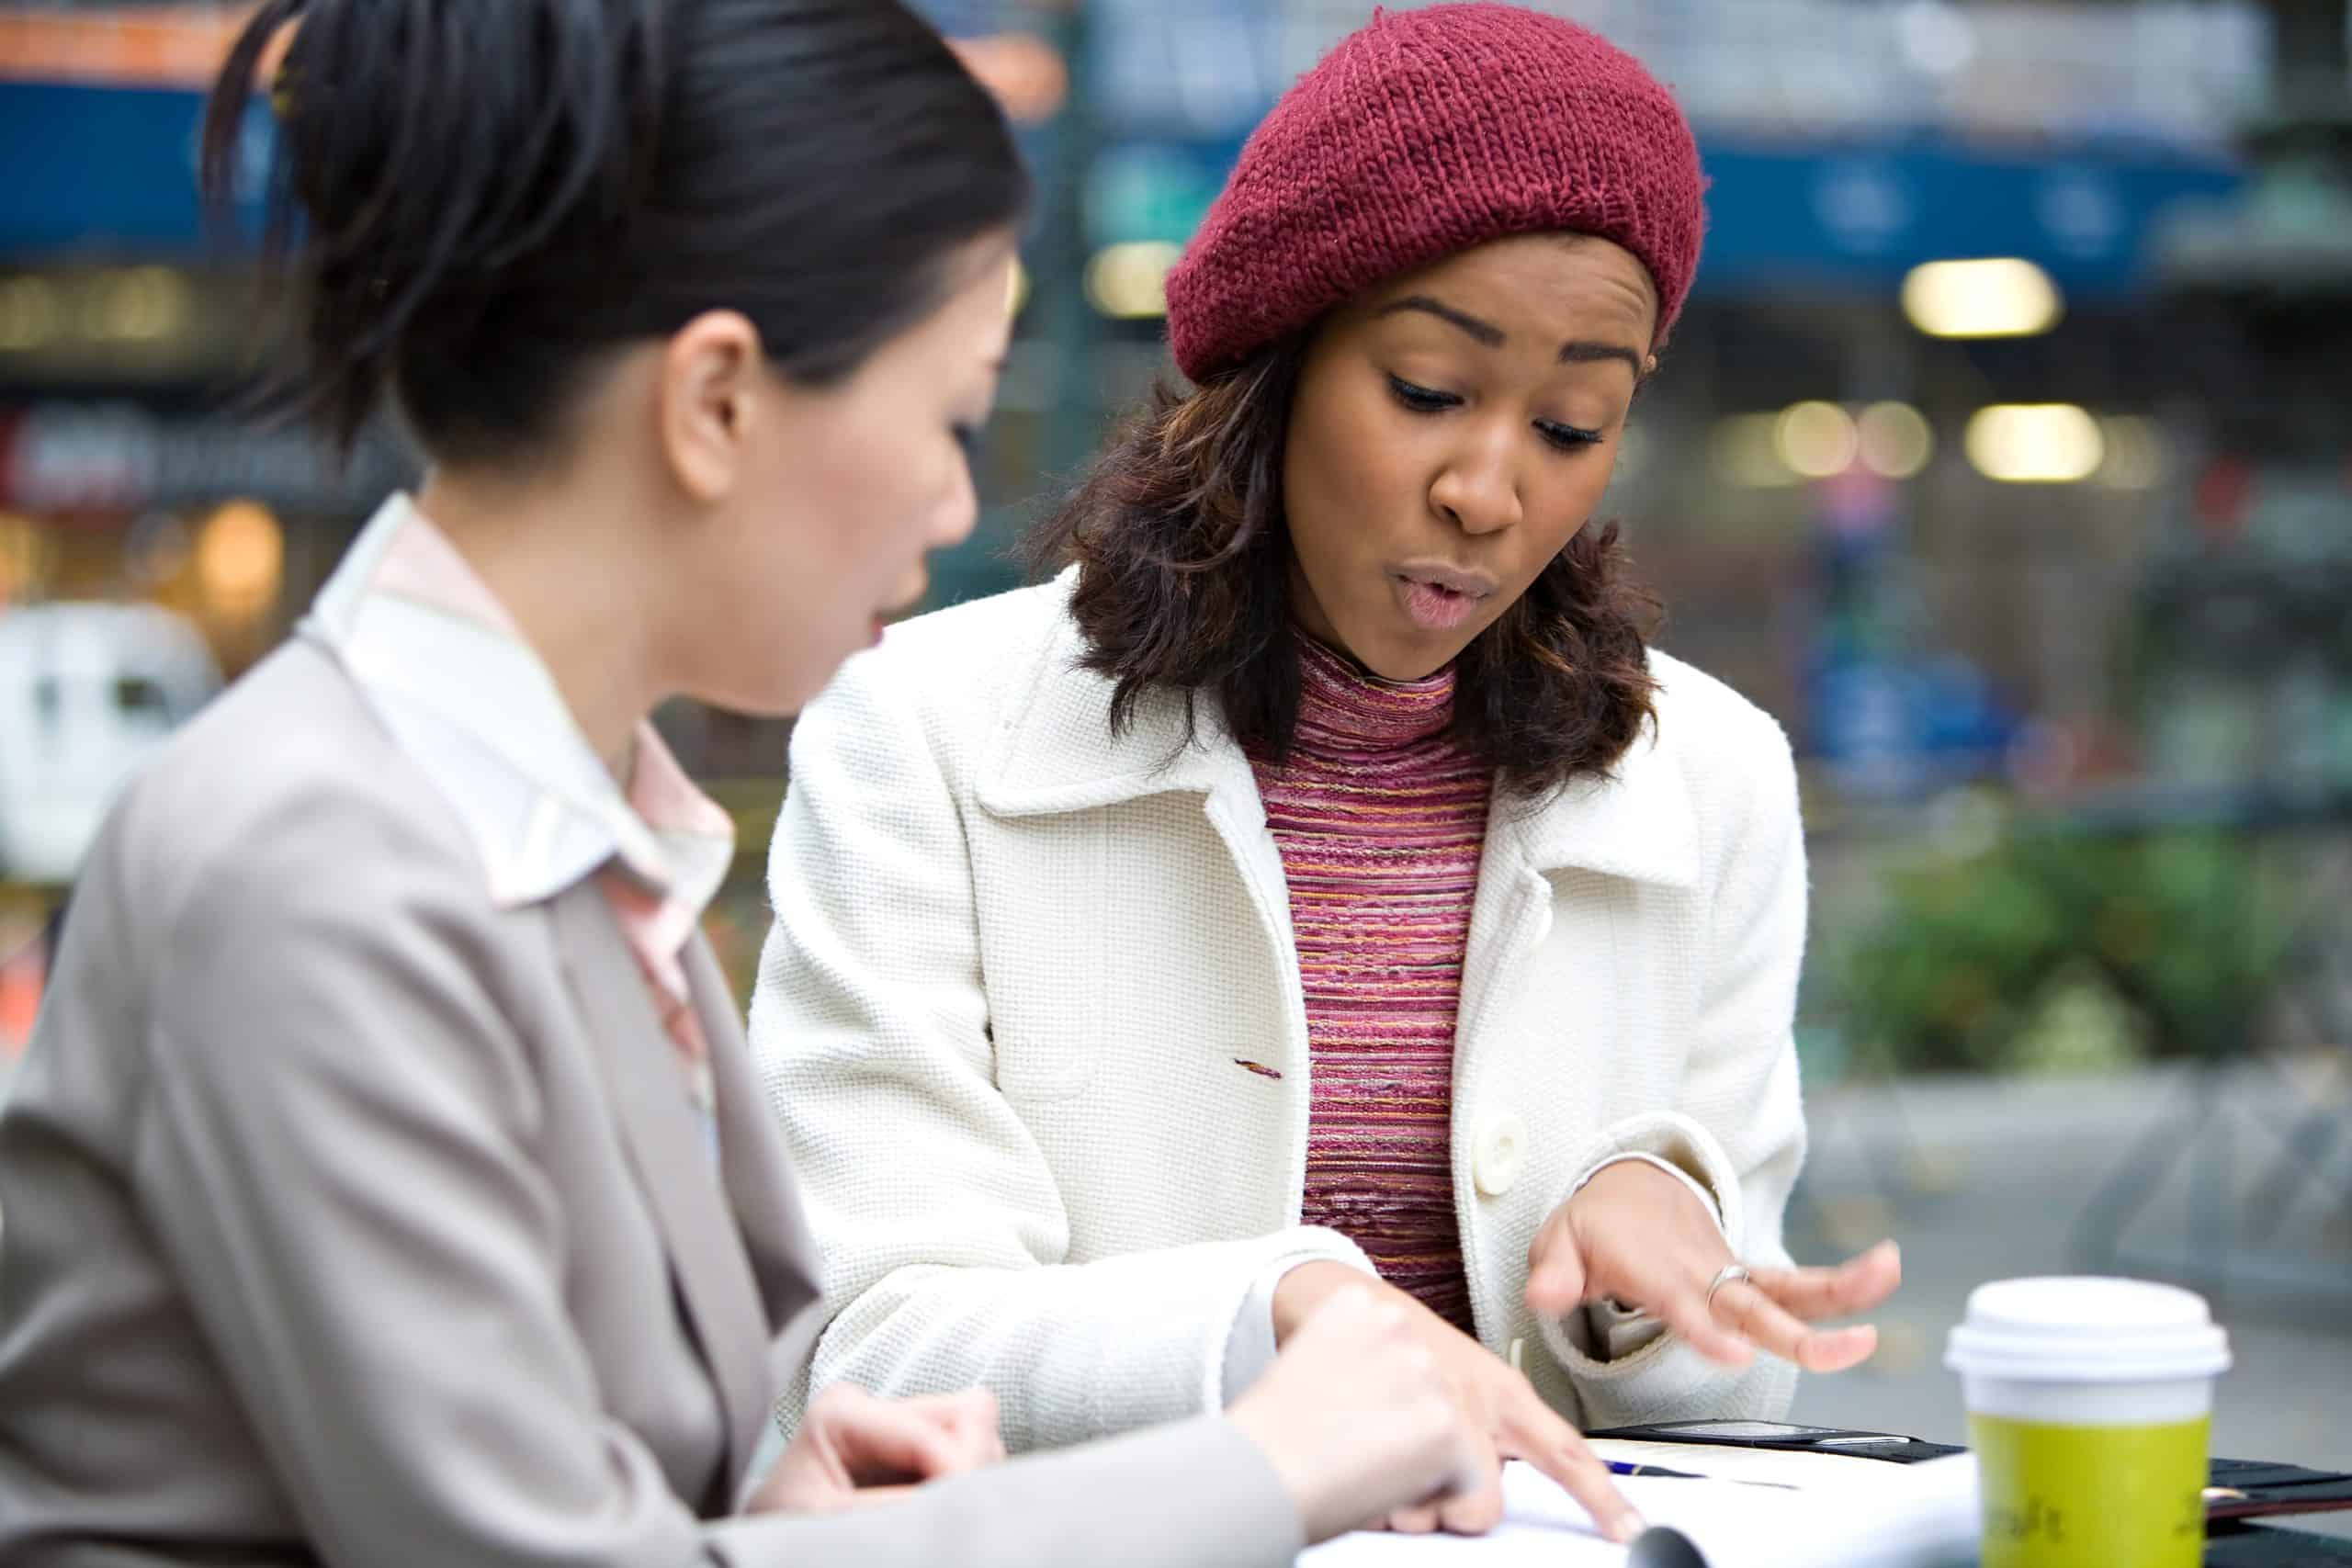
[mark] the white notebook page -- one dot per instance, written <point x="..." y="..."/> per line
<point x="1921" y="1516"/>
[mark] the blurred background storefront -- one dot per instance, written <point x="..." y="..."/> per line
<point x="2005" y="453"/>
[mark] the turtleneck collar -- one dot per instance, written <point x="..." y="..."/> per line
<point x="1341" y="708"/>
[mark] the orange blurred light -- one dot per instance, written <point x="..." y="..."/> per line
<point x="146" y="45"/>
<point x="240" y="559"/>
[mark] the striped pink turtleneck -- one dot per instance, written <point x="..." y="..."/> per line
<point x="1380" y="819"/>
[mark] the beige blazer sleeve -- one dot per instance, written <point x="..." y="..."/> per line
<point x="336" y="1151"/>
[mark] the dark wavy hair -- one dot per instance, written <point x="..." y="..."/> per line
<point x="1184" y="583"/>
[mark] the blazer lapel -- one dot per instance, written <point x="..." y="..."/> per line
<point x="1636" y="821"/>
<point x="1056" y="750"/>
<point x="781" y="1248"/>
<point x="672" y="1162"/>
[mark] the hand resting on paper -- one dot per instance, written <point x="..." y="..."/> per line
<point x="1357" y="1418"/>
<point x="1499" y="1413"/>
<point x="1635" y="1234"/>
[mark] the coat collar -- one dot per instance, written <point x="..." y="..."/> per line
<point x="443" y="665"/>
<point x="1054" y="753"/>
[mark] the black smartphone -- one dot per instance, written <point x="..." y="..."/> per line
<point x="1894" y="1447"/>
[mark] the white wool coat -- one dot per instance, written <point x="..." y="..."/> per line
<point x="1018" y="961"/>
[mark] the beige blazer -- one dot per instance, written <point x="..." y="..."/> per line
<point x="352" y="1219"/>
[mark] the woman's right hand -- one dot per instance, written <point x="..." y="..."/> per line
<point x="1501" y="1415"/>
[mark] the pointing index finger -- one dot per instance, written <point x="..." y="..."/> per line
<point x="1534" y="1431"/>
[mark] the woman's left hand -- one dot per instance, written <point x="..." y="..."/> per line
<point x="853" y="1447"/>
<point x="1635" y="1234"/>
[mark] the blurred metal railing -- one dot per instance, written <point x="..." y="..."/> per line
<point x="2229" y="1239"/>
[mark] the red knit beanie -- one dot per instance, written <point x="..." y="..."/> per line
<point x="1422" y="134"/>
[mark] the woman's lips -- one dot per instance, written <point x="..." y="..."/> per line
<point x="1435" y="607"/>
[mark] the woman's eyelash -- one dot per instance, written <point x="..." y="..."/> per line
<point x="1425" y="399"/>
<point x="1421" y="400"/>
<point x="1567" y="437"/>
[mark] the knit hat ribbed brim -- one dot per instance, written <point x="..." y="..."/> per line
<point x="1425" y="133"/>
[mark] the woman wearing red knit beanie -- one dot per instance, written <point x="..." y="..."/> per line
<point x="1322" y="876"/>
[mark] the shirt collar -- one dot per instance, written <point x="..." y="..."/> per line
<point x="445" y="667"/>
<point x="1347" y="712"/>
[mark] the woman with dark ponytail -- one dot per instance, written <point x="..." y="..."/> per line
<point x="387" y="1182"/>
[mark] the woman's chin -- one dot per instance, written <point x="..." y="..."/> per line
<point x="783" y="691"/>
<point x="1402" y="653"/>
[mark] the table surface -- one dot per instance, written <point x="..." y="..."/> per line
<point x="2253" y="1544"/>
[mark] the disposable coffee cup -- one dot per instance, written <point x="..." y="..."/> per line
<point x="2089" y="1403"/>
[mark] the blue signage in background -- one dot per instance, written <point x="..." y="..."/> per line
<point x="1833" y="219"/>
<point x="1841" y="218"/>
<point x="1846" y="143"/>
<point x="108" y="172"/>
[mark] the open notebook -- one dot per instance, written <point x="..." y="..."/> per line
<point x="1825" y="1511"/>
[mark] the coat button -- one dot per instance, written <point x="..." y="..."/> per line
<point x="1501" y="1157"/>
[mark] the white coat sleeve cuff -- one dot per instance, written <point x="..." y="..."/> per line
<point x="1614" y="1330"/>
<point x="1704" y="1194"/>
<point x="1249" y="1347"/>
<point x="1601" y="1340"/>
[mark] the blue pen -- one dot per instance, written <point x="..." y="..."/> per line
<point x="1620" y="1467"/>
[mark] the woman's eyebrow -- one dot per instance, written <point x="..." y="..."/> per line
<point x="1578" y="351"/>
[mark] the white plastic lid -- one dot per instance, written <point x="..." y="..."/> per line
<point x="2086" y="1330"/>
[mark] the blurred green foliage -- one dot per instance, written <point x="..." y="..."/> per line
<point x="2051" y="951"/>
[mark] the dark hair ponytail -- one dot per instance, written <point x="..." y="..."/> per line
<point x="481" y="197"/>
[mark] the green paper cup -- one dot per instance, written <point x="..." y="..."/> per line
<point x="2088" y="1402"/>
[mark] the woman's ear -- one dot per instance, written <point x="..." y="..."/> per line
<point x="711" y="386"/>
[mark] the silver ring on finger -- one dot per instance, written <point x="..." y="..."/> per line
<point x="1726" y="1275"/>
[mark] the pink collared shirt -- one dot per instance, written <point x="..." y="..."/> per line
<point x="441" y="659"/>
